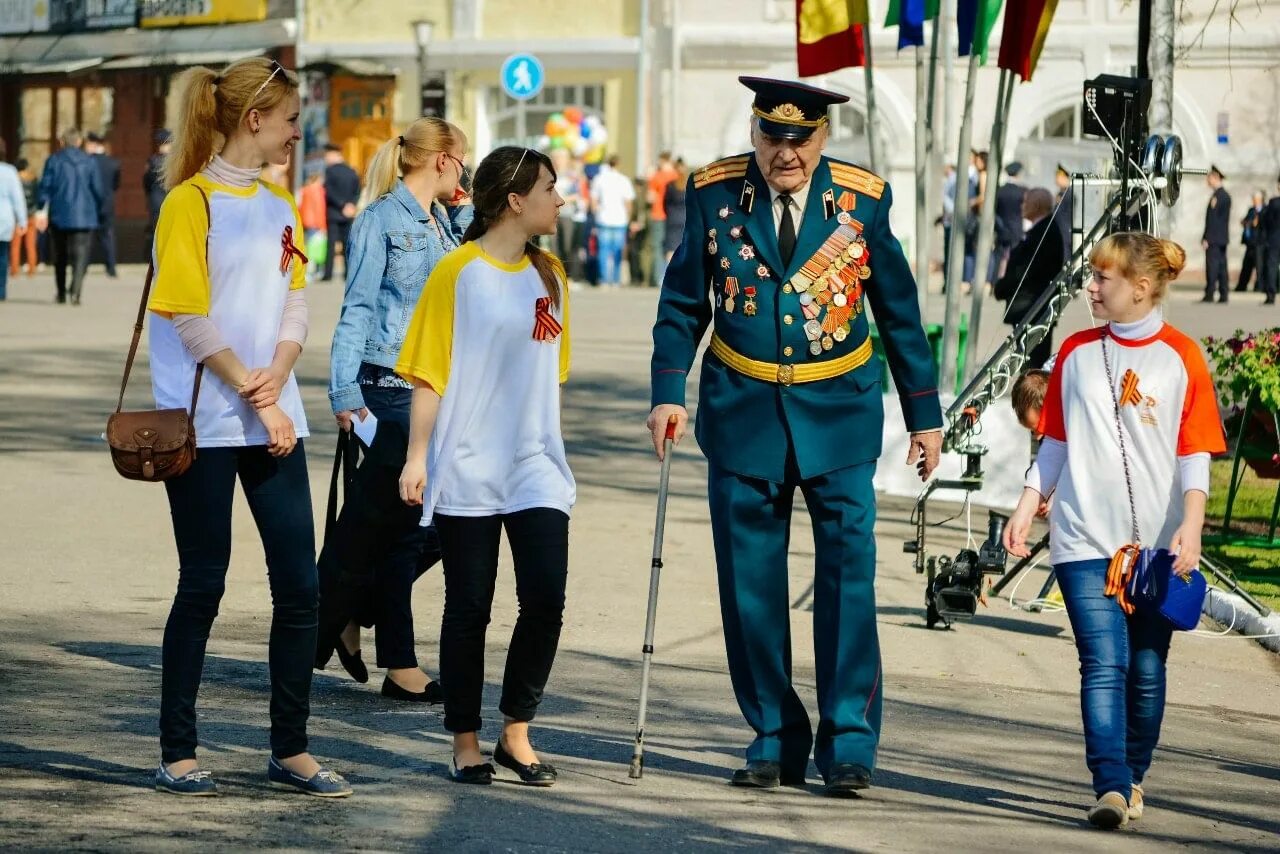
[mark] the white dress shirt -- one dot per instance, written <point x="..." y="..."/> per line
<point x="798" y="198"/>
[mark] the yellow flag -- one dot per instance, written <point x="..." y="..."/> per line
<point x="818" y="19"/>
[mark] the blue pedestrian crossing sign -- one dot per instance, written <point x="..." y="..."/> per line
<point x="522" y="76"/>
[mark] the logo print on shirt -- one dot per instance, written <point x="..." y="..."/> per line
<point x="289" y="250"/>
<point x="545" y="326"/>
<point x="1131" y="396"/>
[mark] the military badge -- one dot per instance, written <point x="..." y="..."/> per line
<point x="828" y="204"/>
<point x="712" y="247"/>
<point x="724" y="263"/>
<point x="762" y="271"/>
<point x="736" y="232"/>
<point x="847" y="201"/>
<point x="748" y="197"/>
<point x="749" y="308"/>
<point x="746" y="253"/>
<point x="723" y="213"/>
<point x="730" y="291"/>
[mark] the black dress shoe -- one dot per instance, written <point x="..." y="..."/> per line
<point x="534" y="774"/>
<point x="1206" y="299"/>
<point x="765" y="774"/>
<point x="845" y="780"/>
<point x="475" y="775"/>
<point x="432" y="694"/>
<point x="352" y="662"/>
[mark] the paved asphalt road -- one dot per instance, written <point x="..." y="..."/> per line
<point x="982" y="749"/>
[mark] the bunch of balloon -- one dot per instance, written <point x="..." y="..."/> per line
<point x="583" y="136"/>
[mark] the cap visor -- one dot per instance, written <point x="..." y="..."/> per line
<point x="778" y="130"/>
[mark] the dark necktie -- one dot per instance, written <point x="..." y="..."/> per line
<point x="786" y="231"/>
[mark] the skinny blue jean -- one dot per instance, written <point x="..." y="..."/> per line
<point x="1122" y="677"/>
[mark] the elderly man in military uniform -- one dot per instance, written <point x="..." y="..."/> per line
<point x="783" y="250"/>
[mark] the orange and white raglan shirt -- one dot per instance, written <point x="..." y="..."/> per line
<point x="1169" y="414"/>
<point x="230" y="264"/>
<point x="485" y="337"/>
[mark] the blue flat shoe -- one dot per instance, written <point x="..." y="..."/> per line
<point x="192" y="784"/>
<point x="324" y="784"/>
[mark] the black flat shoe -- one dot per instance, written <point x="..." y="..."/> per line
<point x="765" y="774"/>
<point x="352" y="663"/>
<point x="846" y="779"/>
<point x="535" y="774"/>
<point x="474" y="775"/>
<point x="433" y="693"/>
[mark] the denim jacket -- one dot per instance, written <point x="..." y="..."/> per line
<point x="393" y="248"/>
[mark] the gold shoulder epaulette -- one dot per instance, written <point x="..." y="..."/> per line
<point x="859" y="180"/>
<point x="721" y="170"/>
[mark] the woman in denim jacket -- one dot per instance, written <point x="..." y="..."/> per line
<point x="409" y="224"/>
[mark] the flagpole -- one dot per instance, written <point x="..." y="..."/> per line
<point x="986" y="230"/>
<point x="932" y="151"/>
<point x="870" y="79"/>
<point x="923" y="128"/>
<point x="959" y="216"/>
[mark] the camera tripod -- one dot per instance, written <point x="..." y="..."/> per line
<point x="1015" y="570"/>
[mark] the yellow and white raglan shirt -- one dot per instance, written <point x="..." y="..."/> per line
<point x="240" y="283"/>
<point x="487" y="339"/>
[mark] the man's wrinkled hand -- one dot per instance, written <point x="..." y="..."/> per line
<point x="925" y="451"/>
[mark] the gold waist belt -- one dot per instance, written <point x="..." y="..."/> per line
<point x="787" y="374"/>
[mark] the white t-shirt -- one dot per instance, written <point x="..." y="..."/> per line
<point x="1168" y="410"/>
<point x="496" y="447"/>
<point x="240" y="285"/>
<point x="611" y="192"/>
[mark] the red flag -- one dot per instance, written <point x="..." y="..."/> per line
<point x="829" y="36"/>
<point x="1026" y="25"/>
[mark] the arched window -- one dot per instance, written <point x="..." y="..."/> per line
<point x="848" y="139"/>
<point x="1062" y="124"/>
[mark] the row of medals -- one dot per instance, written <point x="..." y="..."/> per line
<point x="829" y="283"/>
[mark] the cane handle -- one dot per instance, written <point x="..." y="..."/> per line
<point x="671" y="428"/>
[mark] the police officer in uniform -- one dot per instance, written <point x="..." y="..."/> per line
<point x="1217" y="226"/>
<point x="783" y="250"/>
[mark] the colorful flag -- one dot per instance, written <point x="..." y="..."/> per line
<point x="909" y="17"/>
<point x="975" y="19"/>
<point x="829" y="35"/>
<point x="1026" y="25"/>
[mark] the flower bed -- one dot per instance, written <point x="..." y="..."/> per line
<point x="1246" y="375"/>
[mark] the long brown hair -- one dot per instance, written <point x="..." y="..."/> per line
<point x="213" y="105"/>
<point x="511" y="169"/>
<point x="411" y="150"/>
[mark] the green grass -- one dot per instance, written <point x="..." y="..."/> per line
<point x="1257" y="569"/>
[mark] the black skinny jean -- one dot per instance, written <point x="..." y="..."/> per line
<point x="540" y="550"/>
<point x="412" y="552"/>
<point x="200" y="503"/>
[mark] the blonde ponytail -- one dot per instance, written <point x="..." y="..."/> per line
<point x="212" y="106"/>
<point x="196" y="129"/>
<point x="414" y="149"/>
<point x="1175" y="258"/>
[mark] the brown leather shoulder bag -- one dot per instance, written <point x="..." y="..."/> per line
<point x="153" y="444"/>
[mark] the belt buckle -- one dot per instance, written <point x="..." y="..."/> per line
<point x="786" y="374"/>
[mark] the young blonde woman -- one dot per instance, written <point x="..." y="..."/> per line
<point x="1130" y="420"/>
<point x="411" y="221"/>
<point x="228" y="310"/>
<point x="487" y="351"/>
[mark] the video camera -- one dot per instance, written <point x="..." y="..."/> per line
<point x="956" y="584"/>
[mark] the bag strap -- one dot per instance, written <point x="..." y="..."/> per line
<point x="331" y="509"/>
<point x="142" y="316"/>
<point x="1124" y="456"/>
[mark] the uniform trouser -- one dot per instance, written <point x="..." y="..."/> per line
<point x="1270" y="262"/>
<point x="105" y="239"/>
<point x="751" y="524"/>
<point x="1215" y="269"/>
<point x="1251" y="263"/>
<point x="200" y="502"/>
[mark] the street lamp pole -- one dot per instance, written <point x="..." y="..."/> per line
<point x="422" y="31"/>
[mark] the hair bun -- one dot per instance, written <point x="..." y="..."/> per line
<point x="1175" y="257"/>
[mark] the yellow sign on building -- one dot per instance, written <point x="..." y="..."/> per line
<point x="188" y="13"/>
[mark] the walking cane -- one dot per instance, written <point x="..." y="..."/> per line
<point x="655" y="569"/>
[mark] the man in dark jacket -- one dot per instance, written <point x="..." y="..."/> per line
<point x="1064" y="216"/>
<point x="153" y="183"/>
<point x="341" y="191"/>
<point x="1008" y="216"/>
<point x="109" y="173"/>
<point x="1033" y="265"/>
<point x="1271" y="246"/>
<point x="1251" y="237"/>
<point x="1217" y="227"/>
<point x="71" y="192"/>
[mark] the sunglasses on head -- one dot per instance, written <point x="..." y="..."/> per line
<point x="277" y="68"/>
